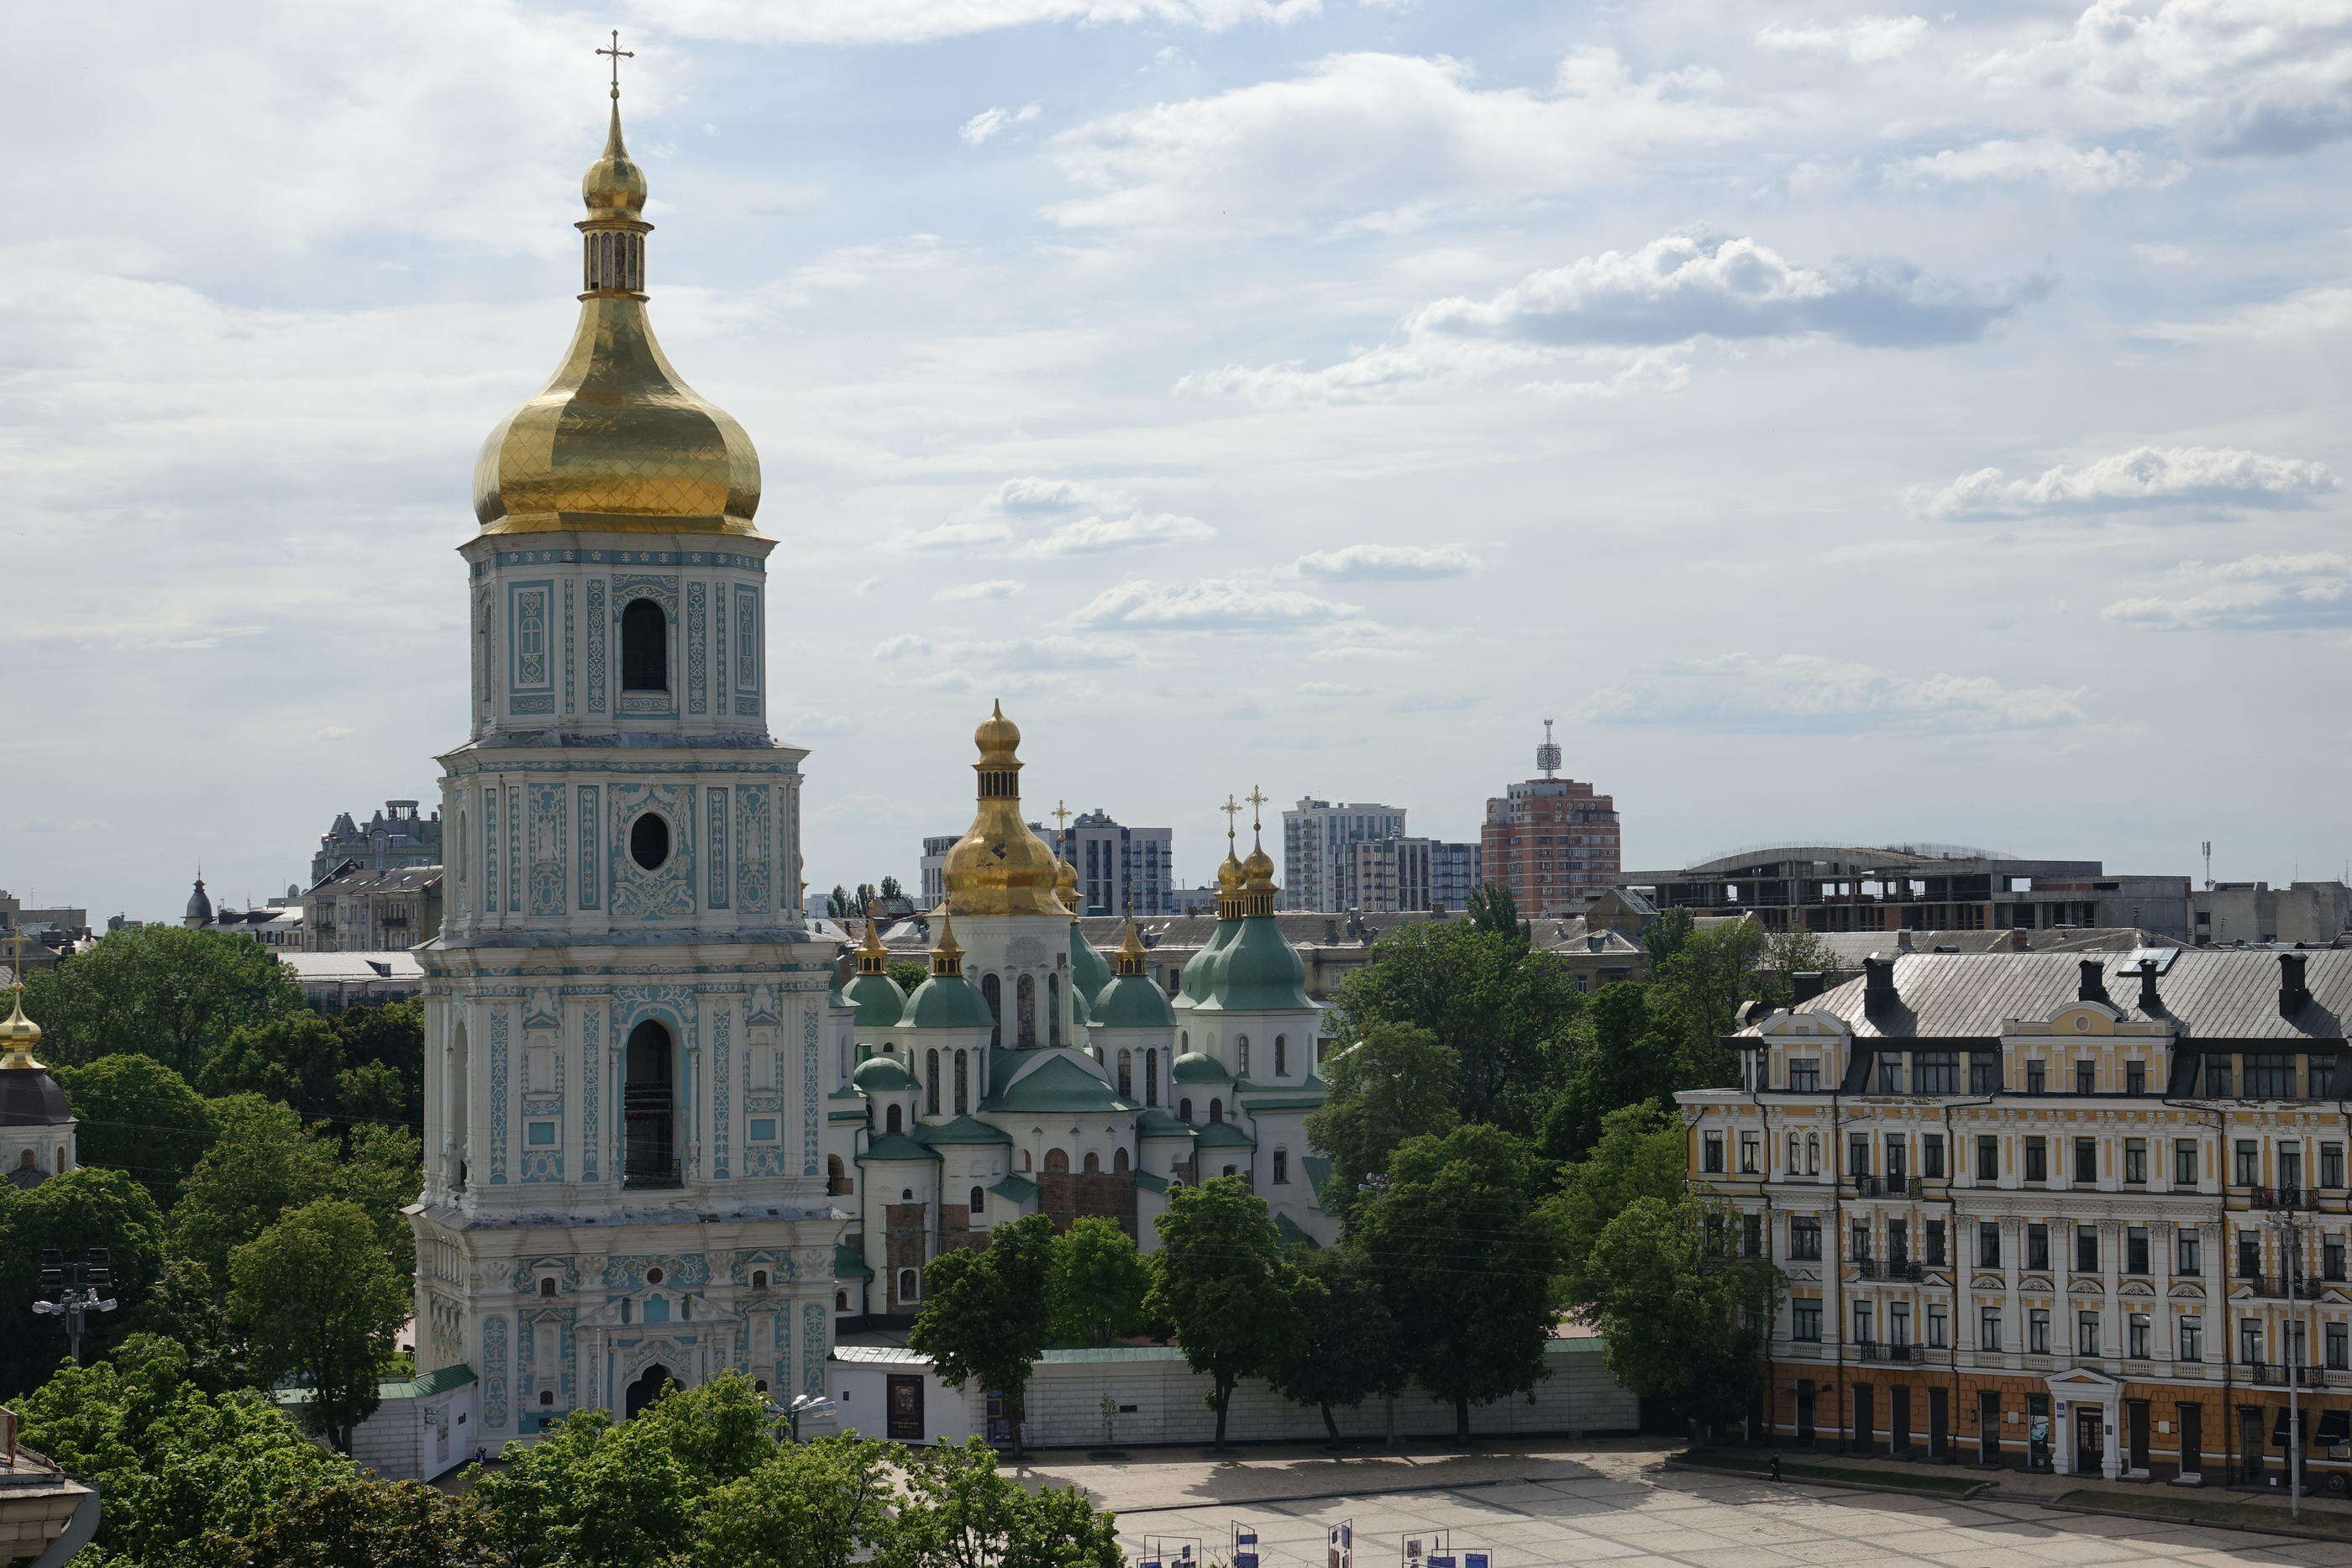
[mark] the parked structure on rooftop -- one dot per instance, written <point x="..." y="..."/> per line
<point x="1818" y="887"/>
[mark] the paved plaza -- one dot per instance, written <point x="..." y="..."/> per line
<point x="1620" y="1508"/>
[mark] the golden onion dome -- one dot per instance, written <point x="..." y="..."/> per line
<point x="18" y="1035"/>
<point x="1230" y="875"/>
<point x="616" y="442"/>
<point x="1066" y="886"/>
<point x="1000" y="866"/>
<point x="1257" y="871"/>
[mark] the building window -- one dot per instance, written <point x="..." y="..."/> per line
<point x="758" y="1278"/>
<point x="894" y="1121"/>
<point x="1988" y="1244"/>
<point x="1092" y="1164"/>
<point x="2192" y="1338"/>
<point x="2323" y="1069"/>
<point x="2087" y="1162"/>
<point x="1184" y="1110"/>
<point x="2338" y="1349"/>
<point x="2037" y="1331"/>
<point x="1935" y="1072"/>
<point x="1987" y="1328"/>
<point x="1281" y="1056"/>
<point x="547" y="1287"/>
<point x="2135" y="1162"/>
<point x="542" y="1134"/>
<point x="1805" y="1322"/>
<point x="1025" y="1006"/>
<point x="2135" y="1249"/>
<point x="2037" y="1159"/>
<point x="2037" y="1247"/>
<point x="1890" y="1074"/>
<point x="2331" y="1165"/>
<point x="1217" y="1114"/>
<point x="1126" y="1074"/>
<point x="650" y="841"/>
<point x="2187" y="1249"/>
<point x="1751" y="1236"/>
<point x="2036" y="1081"/>
<point x="1804" y="1238"/>
<point x="1857" y="1155"/>
<point x="1805" y="1074"/>
<point x="2331" y="1258"/>
<point x="910" y="1284"/>
<point x="1710" y="1159"/>
<point x="2270" y="1076"/>
<point x="1940" y="1332"/>
<point x="2246" y="1164"/>
<point x="1750" y="1152"/>
<point x="2135" y="1077"/>
<point x="1934" y="1258"/>
<point x="2184" y="1162"/>
<point x="1813" y="1154"/>
<point x="2250" y="1341"/>
<point x="932" y="1082"/>
<point x="2217" y="1078"/>
<point x="2086" y="1078"/>
<point x="1281" y="1165"/>
<point x="2087" y="1250"/>
<point x="1241" y="1056"/>
<point x="644" y="647"/>
<point x="1864" y="1330"/>
<point x="978" y="1205"/>
<point x="2135" y="1328"/>
<point x="1984" y="1074"/>
<point x="1931" y="1155"/>
<point x="2249" y="1254"/>
<point x="1987" y="1157"/>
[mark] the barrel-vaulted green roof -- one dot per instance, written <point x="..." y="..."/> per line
<point x="1198" y="1066"/>
<point x="1257" y="972"/>
<point x="1059" y="1084"/>
<point x="963" y="1130"/>
<point x="1223" y="1135"/>
<point x="1158" y="1123"/>
<point x="882" y="1075"/>
<point x="895" y="1146"/>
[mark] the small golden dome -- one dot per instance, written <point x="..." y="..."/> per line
<point x="617" y="441"/>
<point x="947" y="953"/>
<point x="1066" y="886"/>
<point x="873" y="958"/>
<point x="1132" y="955"/>
<point x="18" y="1035"/>
<point x="1257" y="871"/>
<point x="1230" y="875"/>
<point x="999" y="740"/>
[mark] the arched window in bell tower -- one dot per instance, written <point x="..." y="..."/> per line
<point x="650" y="1102"/>
<point x="644" y="647"/>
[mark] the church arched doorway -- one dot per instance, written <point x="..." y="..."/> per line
<point x="648" y="1388"/>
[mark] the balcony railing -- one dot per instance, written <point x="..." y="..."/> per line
<point x="1870" y="1350"/>
<point x="2272" y="1375"/>
<point x="2282" y="1288"/>
<point x="1869" y="1269"/>
<point x="652" y="1173"/>
<point x="2284" y="1197"/>
<point x="1888" y="1186"/>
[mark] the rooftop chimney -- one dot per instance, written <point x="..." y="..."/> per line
<point x="1878" y="992"/>
<point x="2150" y="1002"/>
<point x="1804" y="985"/>
<point x="2294" y="991"/>
<point x="2093" y="987"/>
<point x="1903" y="940"/>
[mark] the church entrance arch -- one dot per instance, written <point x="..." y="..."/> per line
<point x="647" y="1389"/>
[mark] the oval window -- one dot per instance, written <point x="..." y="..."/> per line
<point x="650" y="841"/>
<point x="654" y="1276"/>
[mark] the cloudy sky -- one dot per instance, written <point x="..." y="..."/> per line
<point x="1848" y="425"/>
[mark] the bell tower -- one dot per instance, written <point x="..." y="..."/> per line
<point x="625" y="1005"/>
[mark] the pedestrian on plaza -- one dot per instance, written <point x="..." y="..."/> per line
<point x="1776" y="1467"/>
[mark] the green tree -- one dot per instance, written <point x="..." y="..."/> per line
<point x="1096" y="1283"/>
<point x="184" y="1309"/>
<point x="157" y="990"/>
<point x="1221" y="1280"/>
<point x="293" y="1057"/>
<point x="383" y="1170"/>
<point x="822" y="1504"/>
<point x="1641" y="1153"/>
<point x="371" y="1091"/>
<point x="592" y="1494"/>
<point x="1664" y="934"/>
<point x="178" y="1467"/>
<point x="359" y="1521"/>
<point x="1682" y="1322"/>
<point x="891" y="889"/>
<point x="719" y="1431"/>
<point x="1493" y="909"/>
<point x="72" y="1212"/>
<point x="136" y="1114"/>
<point x="961" y="1511"/>
<point x="1500" y="1007"/>
<point x="322" y="1306"/>
<point x="1696" y="997"/>
<point x="1787" y="955"/>
<point x="1610" y="1066"/>
<point x="909" y="973"/>
<point x="838" y="904"/>
<point x="986" y="1314"/>
<point x="1465" y="1263"/>
<point x="1395" y="1082"/>
<point x="262" y="1162"/>
<point x="1352" y="1351"/>
<point x="391" y="1034"/>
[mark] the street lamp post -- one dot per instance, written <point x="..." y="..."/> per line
<point x="76" y="1286"/>
<point x="2284" y="1220"/>
<point x="802" y="1404"/>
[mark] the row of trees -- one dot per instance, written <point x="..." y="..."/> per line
<point x="198" y="1478"/>
<point x="842" y="905"/>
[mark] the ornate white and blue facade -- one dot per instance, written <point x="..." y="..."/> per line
<point x="626" y="1013"/>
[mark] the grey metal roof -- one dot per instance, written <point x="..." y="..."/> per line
<point x="2213" y="994"/>
<point x="1852" y="946"/>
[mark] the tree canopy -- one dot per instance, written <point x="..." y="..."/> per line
<point x="321" y="1306"/>
<point x="1395" y="1082"/>
<point x="1222" y="1280"/>
<point x="1096" y="1283"/>
<point x="1641" y="1153"/>
<point x="135" y="1114"/>
<point x="1681" y="1321"/>
<point x="1352" y="1350"/>
<point x="161" y="991"/>
<point x="986" y="1314"/>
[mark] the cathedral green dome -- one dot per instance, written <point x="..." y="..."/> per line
<point x="1257" y="972"/>
<point x="1090" y="971"/>
<point x="878" y="999"/>
<point x="1198" y="1066"/>
<point x="1198" y="969"/>
<point x="1132" y="1001"/>
<point x="947" y="1001"/>
<point x="882" y="1075"/>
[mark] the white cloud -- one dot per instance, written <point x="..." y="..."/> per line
<point x="1333" y="689"/>
<point x="1379" y="140"/>
<point x="1033" y="497"/>
<point x="1865" y="40"/>
<point x="1385" y="563"/>
<point x="2076" y="170"/>
<point x="1427" y="703"/>
<point x="2145" y="478"/>
<point x="1101" y="535"/>
<point x="993" y="588"/>
<point x="1210" y="604"/>
<point x="2253" y="593"/>
<point x="989" y="121"/>
<point x="906" y="645"/>
<point x="805" y="725"/>
<point x="1044" y="654"/>
<point x="920" y="21"/>
<point x="974" y="536"/>
<point x="1805" y="693"/>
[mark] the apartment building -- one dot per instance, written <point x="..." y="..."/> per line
<point x="2054" y="1211"/>
<point x="1553" y="841"/>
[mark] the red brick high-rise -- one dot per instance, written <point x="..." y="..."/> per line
<point x="1551" y="840"/>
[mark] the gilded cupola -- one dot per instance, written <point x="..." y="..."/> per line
<point x="1000" y="866"/>
<point x="616" y="442"/>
